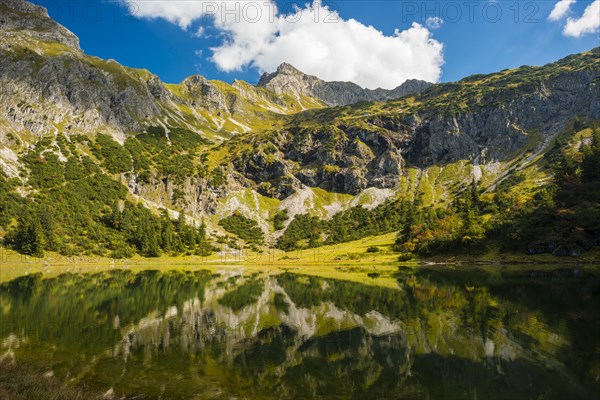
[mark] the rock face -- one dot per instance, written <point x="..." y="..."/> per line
<point x="49" y="86"/>
<point x="490" y="122"/>
<point x="507" y="120"/>
<point x="204" y="92"/>
<point x="288" y="79"/>
<point x="20" y="15"/>
<point x="71" y="92"/>
<point x="48" y="83"/>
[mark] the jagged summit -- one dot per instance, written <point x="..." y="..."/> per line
<point x="28" y="26"/>
<point x="284" y="69"/>
<point x="288" y="79"/>
<point x="27" y="18"/>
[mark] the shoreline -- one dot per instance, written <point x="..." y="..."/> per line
<point x="377" y="269"/>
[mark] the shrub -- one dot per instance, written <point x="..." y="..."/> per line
<point x="403" y="257"/>
<point x="245" y="228"/>
<point x="279" y="219"/>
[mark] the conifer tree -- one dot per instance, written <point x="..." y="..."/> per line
<point x="29" y="238"/>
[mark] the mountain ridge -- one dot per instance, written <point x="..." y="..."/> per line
<point x="45" y="59"/>
<point x="49" y="83"/>
<point x="212" y="151"/>
<point x="288" y="79"/>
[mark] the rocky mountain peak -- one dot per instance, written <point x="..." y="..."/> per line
<point x="26" y="7"/>
<point x="195" y="82"/>
<point x="288" y="69"/>
<point x="288" y="79"/>
<point x="205" y="92"/>
<point x="24" y="18"/>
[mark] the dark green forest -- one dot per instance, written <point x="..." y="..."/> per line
<point x="245" y="228"/>
<point x="75" y="208"/>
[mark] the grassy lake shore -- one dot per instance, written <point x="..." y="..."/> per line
<point x="347" y="261"/>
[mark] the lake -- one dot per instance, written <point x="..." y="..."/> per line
<point x="497" y="332"/>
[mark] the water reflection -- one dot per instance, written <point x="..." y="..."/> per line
<point x="474" y="333"/>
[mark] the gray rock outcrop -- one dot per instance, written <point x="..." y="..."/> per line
<point x="288" y="79"/>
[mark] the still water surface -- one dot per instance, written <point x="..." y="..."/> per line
<point x="474" y="333"/>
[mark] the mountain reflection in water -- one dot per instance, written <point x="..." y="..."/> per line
<point x="476" y="333"/>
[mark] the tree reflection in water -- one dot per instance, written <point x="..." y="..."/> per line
<point x="489" y="333"/>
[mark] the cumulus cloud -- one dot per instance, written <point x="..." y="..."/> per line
<point x="434" y="22"/>
<point x="248" y="31"/>
<point x="315" y="39"/>
<point x="588" y="23"/>
<point x="319" y="42"/>
<point x="180" y="12"/>
<point x="560" y="10"/>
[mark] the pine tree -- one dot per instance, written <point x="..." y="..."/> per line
<point x="202" y="233"/>
<point x="167" y="231"/>
<point x="47" y="225"/>
<point x="29" y="238"/>
<point x="153" y="248"/>
<point x="591" y="161"/>
<point x="409" y="219"/>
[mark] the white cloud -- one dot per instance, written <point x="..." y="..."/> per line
<point x="314" y="39"/>
<point x="248" y="32"/>
<point x="180" y="12"/>
<point x="434" y="22"/>
<point x="588" y="23"/>
<point x="200" y="32"/>
<point x="560" y="10"/>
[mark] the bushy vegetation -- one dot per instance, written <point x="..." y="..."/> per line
<point x="114" y="157"/>
<point x="10" y="201"/>
<point x="79" y="210"/>
<point x="173" y="154"/>
<point x="304" y="231"/>
<point x="279" y="219"/>
<point x="245" y="228"/>
<point x="565" y="217"/>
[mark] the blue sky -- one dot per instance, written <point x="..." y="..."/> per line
<point x="174" y="39"/>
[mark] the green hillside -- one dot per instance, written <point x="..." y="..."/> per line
<point x="109" y="160"/>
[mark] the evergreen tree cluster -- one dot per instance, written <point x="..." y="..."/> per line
<point x="245" y="228"/>
<point x="279" y="219"/>
<point x="78" y="210"/>
<point x="564" y="219"/>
